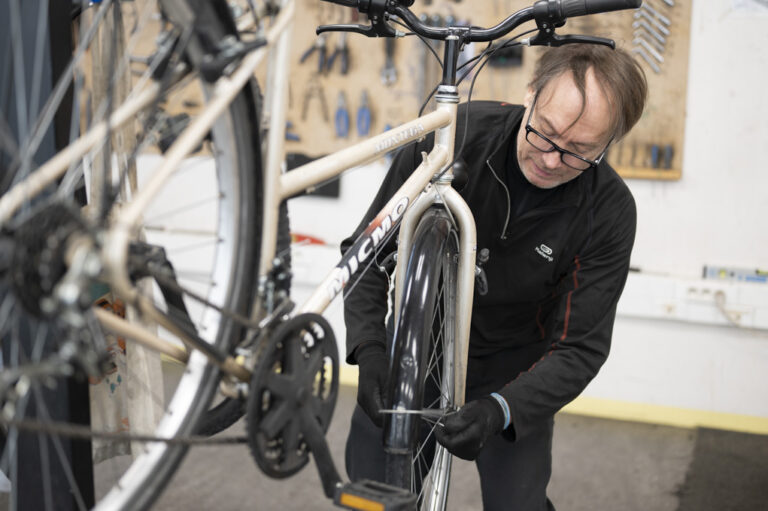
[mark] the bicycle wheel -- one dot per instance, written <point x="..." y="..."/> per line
<point x="228" y="410"/>
<point x="422" y="381"/>
<point x="209" y="235"/>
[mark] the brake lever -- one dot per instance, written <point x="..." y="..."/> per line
<point x="377" y="28"/>
<point x="549" y="38"/>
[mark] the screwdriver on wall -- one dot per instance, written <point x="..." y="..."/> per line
<point x="342" y="117"/>
<point x="363" y="115"/>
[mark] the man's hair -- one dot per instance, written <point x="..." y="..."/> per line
<point x="618" y="74"/>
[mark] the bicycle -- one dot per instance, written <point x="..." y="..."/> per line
<point x="282" y="363"/>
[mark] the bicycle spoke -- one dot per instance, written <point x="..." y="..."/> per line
<point x="179" y="231"/>
<point x="19" y="74"/>
<point x="194" y="246"/>
<point x="196" y="276"/>
<point x="7" y="142"/>
<point x="31" y="144"/>
<point x="59" y="449"/>
<point x="37" y="66"/>
<point x="46" y="475"/>
<point x="182" y="209"/>
<point x="41" y="410"/>
<point x="6" y="308"/>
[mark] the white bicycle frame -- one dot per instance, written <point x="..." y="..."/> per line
<point x="413" y="198"/>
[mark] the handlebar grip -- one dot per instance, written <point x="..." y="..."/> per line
<point x="583" y="7"/>
<point x="345" y="3"/>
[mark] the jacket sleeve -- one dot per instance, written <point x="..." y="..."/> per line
<point x="365" y="296"/>
<point x="582" y="327"/>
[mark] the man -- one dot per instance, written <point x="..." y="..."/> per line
<point x="559" y="224"/>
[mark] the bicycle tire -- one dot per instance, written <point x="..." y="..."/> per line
<point x="423" y="376"/>
<point x="228" y="410"/>
<point x="238" y="178"/>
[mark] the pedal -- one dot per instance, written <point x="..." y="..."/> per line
<point x="374" y="496"/>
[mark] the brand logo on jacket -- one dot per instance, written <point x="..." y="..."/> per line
<point x="545" y="252"/>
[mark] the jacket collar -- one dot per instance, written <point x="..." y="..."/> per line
<point x="571" y="194"/>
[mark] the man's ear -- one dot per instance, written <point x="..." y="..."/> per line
<point x="528" y="97"/>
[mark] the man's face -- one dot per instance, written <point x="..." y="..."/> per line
<point x="558" y="115"/>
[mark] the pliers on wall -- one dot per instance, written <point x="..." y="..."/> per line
<point x="319" y="46"/>
<point x="342" y="53"/>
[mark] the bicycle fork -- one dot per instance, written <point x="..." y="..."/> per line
<point x="409" y="360"/>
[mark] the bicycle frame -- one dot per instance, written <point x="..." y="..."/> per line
<point x="408" y="203"/>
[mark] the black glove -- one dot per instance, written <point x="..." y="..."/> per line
<point x="465" y="432"/>
<point x="372" y="381"/>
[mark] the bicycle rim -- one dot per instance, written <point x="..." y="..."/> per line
<point x="210" y="237"/>
<point x="425" y="467"/>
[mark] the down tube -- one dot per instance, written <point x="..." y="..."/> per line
<point x="385" y="222"/>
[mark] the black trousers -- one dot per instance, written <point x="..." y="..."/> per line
<point x="513" y="474"/>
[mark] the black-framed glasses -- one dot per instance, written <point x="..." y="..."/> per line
<point x="545" y="145"/>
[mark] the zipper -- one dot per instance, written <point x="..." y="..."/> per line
<point x="509" y="200"/>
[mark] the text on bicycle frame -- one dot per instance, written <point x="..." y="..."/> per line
<point x="367" y="242"/>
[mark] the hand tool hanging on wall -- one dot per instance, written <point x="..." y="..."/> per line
<point x="647" y="58"/>
<point x="655" y="156"/>
<point x="669" y="153"/>
<point x="319" y="47"/>
<point x="314" y="88"/>
<point x="648" y="7"/>
<point x="289" y="135"/>
<point x="658" y="25"/>
<point x="363" y="115"/>
<point x="342" y="117"/>
<point x="650" y="36"/>
<point x="342" y="53"/>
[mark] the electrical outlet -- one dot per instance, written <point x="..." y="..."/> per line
<point x="725" y="273"/>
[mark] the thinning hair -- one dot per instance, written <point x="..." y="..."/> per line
<point x="618" y="74"/>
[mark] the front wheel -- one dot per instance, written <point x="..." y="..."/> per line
<point x="422" y="380"/>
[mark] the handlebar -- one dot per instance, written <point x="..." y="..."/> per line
<point x="572" y="8"/>
<point x="547" y="13"/>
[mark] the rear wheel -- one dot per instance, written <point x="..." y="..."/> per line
<point x="424" y="337"/>
<point x="209" y="234"/>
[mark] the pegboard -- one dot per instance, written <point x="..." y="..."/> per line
<point x="662" y="124"/>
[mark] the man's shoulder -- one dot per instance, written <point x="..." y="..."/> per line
<point x="488" y="123"/>
<point x="611" y="193"/>
<point x="485" y="110"/>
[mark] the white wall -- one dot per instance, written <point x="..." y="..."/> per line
<point x="714" y="215"/>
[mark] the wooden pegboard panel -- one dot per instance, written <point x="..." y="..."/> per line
<point x="662" y="124"/>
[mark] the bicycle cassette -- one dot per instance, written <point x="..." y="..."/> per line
<point x="293" y="393"/>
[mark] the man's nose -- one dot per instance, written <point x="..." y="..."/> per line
<point x="551" y="159"/>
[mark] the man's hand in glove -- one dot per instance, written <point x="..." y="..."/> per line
<point x="465" y="432"/>
<point x="372" y="380"/>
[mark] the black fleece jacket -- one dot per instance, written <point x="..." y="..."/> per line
<point x="555" y="272"/>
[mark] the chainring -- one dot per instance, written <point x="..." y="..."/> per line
<point x="295" y="383"/>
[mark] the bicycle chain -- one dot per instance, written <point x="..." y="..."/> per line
<point x="81" y="432"/>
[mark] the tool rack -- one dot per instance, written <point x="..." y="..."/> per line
<point x="653" y="150"/>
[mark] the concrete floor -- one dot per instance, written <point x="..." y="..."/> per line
<point x="597" y="465"/>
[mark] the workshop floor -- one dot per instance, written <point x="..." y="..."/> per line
<point x="598" y="465"/>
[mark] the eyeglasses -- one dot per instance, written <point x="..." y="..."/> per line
<point x="545" y="145"/>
